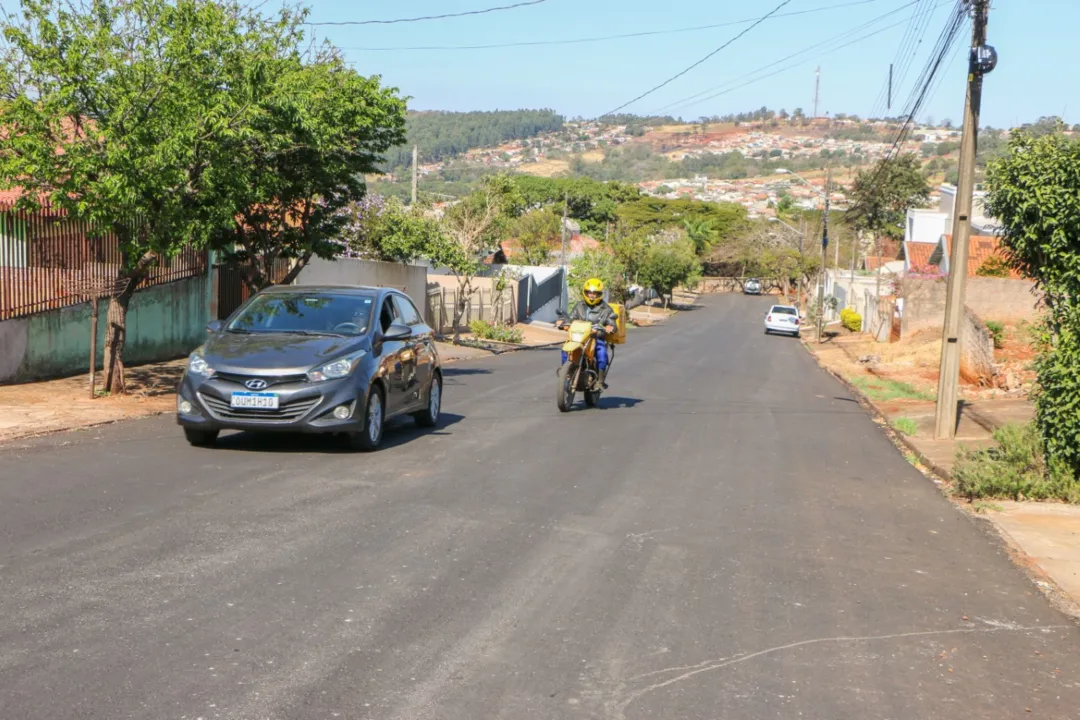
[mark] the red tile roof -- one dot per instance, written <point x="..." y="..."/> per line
<point x="918" y="254"/>
<point x="980" y="249"/>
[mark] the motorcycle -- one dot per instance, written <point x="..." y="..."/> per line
<point x="580" y="372"/>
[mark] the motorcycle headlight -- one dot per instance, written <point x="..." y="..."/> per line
<point x="336" y="369"/>
<point x="197" y="365"/>
<point x="577" y="337"/>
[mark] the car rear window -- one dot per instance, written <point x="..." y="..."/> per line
<point x="778" y="310"/>
<point x="319" y="312"/>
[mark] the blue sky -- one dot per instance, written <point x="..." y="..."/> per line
<point x="1035" y="40"/>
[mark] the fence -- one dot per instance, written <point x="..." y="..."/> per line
<point x="230" y="290"/>
<point x="492" y="306"/>
<point x="50" y="261"/>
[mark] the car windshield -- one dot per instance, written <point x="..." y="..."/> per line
<point x="779" y="310"/>
<point x="305" y="314"/>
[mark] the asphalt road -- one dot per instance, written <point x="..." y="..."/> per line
<point x="728" y="536"/>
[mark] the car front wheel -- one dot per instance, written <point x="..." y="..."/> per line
<point x="370" y="437"/>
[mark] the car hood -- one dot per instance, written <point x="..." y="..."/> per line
<point x="273" y="353"/>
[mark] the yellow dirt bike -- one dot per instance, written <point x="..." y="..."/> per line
<point x="580" y="372"/>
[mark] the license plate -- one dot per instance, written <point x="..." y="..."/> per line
<point x="253" y="400"/>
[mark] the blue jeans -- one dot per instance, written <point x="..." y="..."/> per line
<point x="601" y="355"/>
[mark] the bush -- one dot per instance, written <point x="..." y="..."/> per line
<point x="499" y="333"/>
<point x="1016" y="469"/>
<point x="851" y="320"/>
<point x="906" y="425"/>
<point x="994" y="266"/>
<point x="997" y="331"/>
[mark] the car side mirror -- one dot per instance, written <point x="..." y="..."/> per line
<point x="397" y="332"/>
<point x="214" y="326"/>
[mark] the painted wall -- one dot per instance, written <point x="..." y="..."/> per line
<point x="163" y="323"/>
<point x="410" y="279"/>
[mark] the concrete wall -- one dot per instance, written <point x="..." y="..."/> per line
<point x="410" y="279"/>
<point x="991" y="298"/>
<point x="926" y="226"/>
<point x="163" y="322"/>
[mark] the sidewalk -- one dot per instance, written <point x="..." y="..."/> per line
<point x="1047" y="534"/>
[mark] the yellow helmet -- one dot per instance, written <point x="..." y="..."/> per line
<point x="593" y="291"/>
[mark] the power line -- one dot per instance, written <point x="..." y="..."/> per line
<point x="525" y="3"/>
<point x="907" y="51"/>
<point x="824" y="43"/>
<point x="699" y="62"/>
<point x="775" y="72"/>
<point x="603" y="38"/>
<point x="922" y="88"/>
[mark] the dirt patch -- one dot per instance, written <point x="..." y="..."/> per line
<point x="57" y="405"/>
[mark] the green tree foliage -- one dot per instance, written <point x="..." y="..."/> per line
<point x="378" y="228"/>
<point x="597" y="263"/>
<point x="1035" y="193"/>
<point x="127" y="116"/>
<point x="701" y="234"/>
<point x="471" y="228"/>
<point x="536" y="232"/>
<point x="881" y="196"/>
<point x="666" y="267"/>
<point x="316" y="128"/>
<point x="591" y="203"/>
<point x="443" y="135"/>
<point x="654" y="214"/>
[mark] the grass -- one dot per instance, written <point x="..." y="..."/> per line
<point x="912" y="458"/>
<point x="882" y="389"/>
<point x="997" y="332"/>
<point x="982" y="507"/>
<point x="1015" y="469"/>
<point x="500" y="333"/>
<point x="906" y="425"/>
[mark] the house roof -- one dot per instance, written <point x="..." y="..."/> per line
<point x="918" y="254"/>
<point x="980" y="249"/>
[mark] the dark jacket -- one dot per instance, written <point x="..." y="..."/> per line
<point x="600" y="314"/>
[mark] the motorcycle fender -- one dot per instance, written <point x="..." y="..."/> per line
<point x="570" y="346"/>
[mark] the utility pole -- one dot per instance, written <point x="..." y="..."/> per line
<point x="415" y="172"/>
<point x="566" y="202"/>
<point x="890" y="86"/>
<point x="824" y="249"/>
<point x="982" y="60"/>
<point x="817" y="90"/>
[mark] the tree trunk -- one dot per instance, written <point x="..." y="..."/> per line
<point x="115" y="337"/>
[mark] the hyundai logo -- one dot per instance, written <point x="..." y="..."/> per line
<point x="255" y="384"/>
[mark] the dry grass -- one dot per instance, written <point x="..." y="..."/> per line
<point x="544" y="168"/>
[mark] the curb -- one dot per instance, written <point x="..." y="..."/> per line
<point x="942" y="476"/>
<point x="1035" y="573"/>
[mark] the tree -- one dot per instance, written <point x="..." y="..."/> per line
<point x="599" y="263"/>
<point x="123" y="115"/>
<point x="701" y="234"/>
<point x="1034" y="192"/>
<point x="668" y="266"/>
<point x="470" y="228"/>
<point x="537" y="232"/>
<point x="316" y="129"/>
<point x="378" y="228"/>
<point x="881" y="196"/>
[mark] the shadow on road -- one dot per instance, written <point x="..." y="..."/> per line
<point x="399" y="431"/>
<point x="615" y="403"/>
<point x="457" y="372"/>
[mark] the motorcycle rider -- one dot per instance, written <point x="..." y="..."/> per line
<point x="593" y="309"/>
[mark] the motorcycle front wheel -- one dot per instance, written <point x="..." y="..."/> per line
<point x="567" y="377"/>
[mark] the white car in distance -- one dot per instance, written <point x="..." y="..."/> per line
<point x="783" y="319"/>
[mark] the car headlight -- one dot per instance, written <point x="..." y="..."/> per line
<point x="197" y="365"/>
<point x="336" y="369"/>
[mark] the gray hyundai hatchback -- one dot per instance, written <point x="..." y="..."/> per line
<point x="315" y="359"/>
